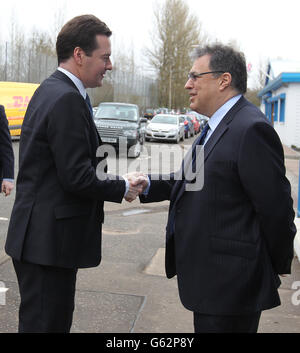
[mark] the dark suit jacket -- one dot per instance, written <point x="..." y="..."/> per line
<point x="6" y="151"/>
<point x="235" y="236"/>
<point x="58" y="211"/>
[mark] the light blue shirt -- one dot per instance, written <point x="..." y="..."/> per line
<point x="78" y="83"/>
<point x="217" y="117"/>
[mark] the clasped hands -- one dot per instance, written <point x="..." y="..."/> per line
<point x="138" y="183"/>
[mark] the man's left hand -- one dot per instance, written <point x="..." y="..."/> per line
<point x="7" y="187"/>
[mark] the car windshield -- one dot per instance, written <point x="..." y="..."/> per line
<point x="116" y="112"/>
<point x="165" y="119"/>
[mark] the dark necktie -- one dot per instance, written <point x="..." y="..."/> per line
<point x="88" y="102"/>
<point x="200" y="141"/>
<point x="171" y="219"/>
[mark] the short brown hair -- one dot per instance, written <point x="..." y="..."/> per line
<point x="80" y="32"/>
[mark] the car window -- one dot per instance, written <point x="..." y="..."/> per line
<point x="117" y="112"/>
<point x="165" y="119"/>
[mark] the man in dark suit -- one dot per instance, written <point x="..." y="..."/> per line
<point x="55" y="226"/>
<point x="229" y="241"/>
<point x="6" y="156"/>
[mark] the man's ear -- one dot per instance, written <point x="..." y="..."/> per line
<point x="225" y="80"/>
<point x="78" y="55"/>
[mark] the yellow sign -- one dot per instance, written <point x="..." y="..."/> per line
<point x="15" y="96"/>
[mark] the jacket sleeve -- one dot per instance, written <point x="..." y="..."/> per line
<point x="69" y="137"/>
<point x="160" y="188"/>
<point x="262" y="173"/>
<point x="6" y="150"/>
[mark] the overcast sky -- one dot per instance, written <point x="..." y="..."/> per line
<point x="264" y="29"/>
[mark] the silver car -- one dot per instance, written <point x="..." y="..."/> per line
<point x="166" y="127"/>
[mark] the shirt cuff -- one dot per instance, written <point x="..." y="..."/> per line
<point x="147" y="188"/>
<point x="127" y="186"/>
<point x="6" y="179"/>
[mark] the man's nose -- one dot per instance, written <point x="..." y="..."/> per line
<point x="108" y="65"/>
<point x="188" y="84"/>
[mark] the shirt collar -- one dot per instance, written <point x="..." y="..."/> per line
<point x="216" y="118"/>
<point x="75" y="80"/>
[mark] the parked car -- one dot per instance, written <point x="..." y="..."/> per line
<point x="195" y="122"/>
<point x="188" y="127"/>
<point x="193" y="130"/>
<point x="149" y="114"/>
<point x="162" y="111"/>
<point x="203" y="122"/>
<point x="166" y="127"/>
<point x="201" y="118"/>
<point x="121" y="120"/>
<point x="95" y="110"/>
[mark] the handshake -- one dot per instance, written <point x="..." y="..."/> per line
<point x="138" y="183"/>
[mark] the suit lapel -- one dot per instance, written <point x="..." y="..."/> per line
<point x="214" y="138"/>
<point x="222" y="127"/>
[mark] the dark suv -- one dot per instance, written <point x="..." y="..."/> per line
<point x="121" y="120"/>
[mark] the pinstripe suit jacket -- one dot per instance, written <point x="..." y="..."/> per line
<point x="233" y="237"/>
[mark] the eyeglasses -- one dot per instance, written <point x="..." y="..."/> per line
<point x="193" y="75"/>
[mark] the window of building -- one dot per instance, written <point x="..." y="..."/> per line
<point x="282" y="110"/>
<point x="275" y="108"/>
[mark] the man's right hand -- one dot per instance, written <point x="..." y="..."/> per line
<point x="138" y="183"/>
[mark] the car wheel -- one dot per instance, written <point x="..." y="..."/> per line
<point x="135" y="150"/>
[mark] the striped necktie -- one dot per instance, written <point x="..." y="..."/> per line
<point x="203" y="134"/>
<point x="200" y="141"/>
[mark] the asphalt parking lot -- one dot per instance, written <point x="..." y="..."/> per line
<point x="129" y="292"/>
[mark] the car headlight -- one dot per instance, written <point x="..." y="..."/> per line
<point x="148" y="129"/>
<point x="132" y="133"/>
<point x="173" y="131"/>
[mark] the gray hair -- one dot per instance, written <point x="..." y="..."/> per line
<point x="226" y="58"/>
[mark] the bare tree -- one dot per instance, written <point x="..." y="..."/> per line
<point x="58" y="22"/>
<point x="260" y="79"/>
<point x="32" y="57"/>
<point x="176" y="31"/>
<point x="41" y="61"/>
